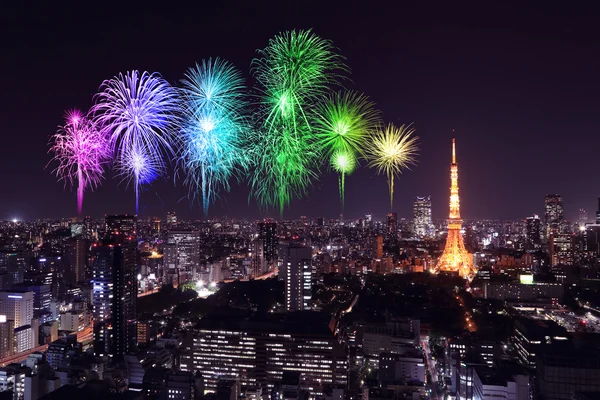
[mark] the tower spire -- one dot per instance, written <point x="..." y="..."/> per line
<point x="453" y="148"/>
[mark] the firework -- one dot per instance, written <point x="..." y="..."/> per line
<point x="344" y="122"/>
<point x="294" y="73"/>
<point x="138" y="113"/>
<point x="81" y="152"/>
<point x="391" y="151"/>
<point x="212" y="128"/>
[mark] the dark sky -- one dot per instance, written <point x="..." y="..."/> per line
<point x="519" y="84"/>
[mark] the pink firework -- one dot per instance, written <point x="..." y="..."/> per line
<point x="81" y="151"/>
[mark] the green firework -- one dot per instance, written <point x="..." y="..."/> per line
<point x="294" y="73"/>
<point x="344" y="122"/>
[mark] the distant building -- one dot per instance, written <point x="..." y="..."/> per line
<point x="561" y="249"/>
<point x="408" y="368"/>
<point x="392" y="226"/>
<point x="377" y="247"/>
<point x="298" y="277"/>
<point x="518" y="291"/>
<point x="533" y="229"/>
<point x="554" y="214"/>
<point x="182" y="252"/>
<point x="76" y="260"/>
<point x="267" y="234"/>
<point x="582" y="218"/>
<point x="422" y="223"/>
<point x="124" y="225"/>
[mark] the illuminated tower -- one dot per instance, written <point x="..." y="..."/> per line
<point x="455" y="257"/>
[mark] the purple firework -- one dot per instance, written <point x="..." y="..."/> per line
<point x="81" y="151"/>
<point x="138" y="113"/>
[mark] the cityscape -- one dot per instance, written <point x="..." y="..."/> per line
<point x="303" y="298"/>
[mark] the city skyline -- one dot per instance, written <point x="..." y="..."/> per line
<point x="508" y="128"/>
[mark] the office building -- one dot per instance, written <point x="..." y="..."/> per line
<point x="16" y="264"/>
<point x="408" y="367"/>
<point x="267" y="234"/>
<point x="298" y="277"/>
<point x="533" y="237"/>
<point x="7" y="338"/>
<point x="74" y="321"/>
<point x="179" y="385"/>
<point x="519" y="291"/>
<point x="114" y="295"/>
<point x="17" y="307"/>
<point x="561" y="249"/>
<point x="582" y="218"/>
<point x="25" y="336"/>
<point x="480" y="382"/>
<point x="258" y="264"/>
<point x="531" y="335"/>
<point x="182" y="252"/>
<point x="76" y="260"/>
<point x="377" y="247"/>
<point x="171" y="219"/>
<point x="124" y="225"/>
<point x="554" y="214"/>
<point x="423" y="226"/>
<point x="259" y="350"/>
<point x="564" y="369"/>
<point x="392" y="226"/>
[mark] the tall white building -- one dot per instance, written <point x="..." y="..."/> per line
<point x="423" y="225"/>
<point x="182" y="250"/>
<point x="17" y="307"/>
<point x="298" y="277"/>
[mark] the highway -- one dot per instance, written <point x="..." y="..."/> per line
<point x="20" y="357"/>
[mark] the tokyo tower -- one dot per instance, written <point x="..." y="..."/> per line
<point x="455" y="258"/>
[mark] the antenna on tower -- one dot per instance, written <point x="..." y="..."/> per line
<point x="453" y="148"/>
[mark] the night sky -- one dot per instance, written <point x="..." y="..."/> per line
<point x="520" y="86"/>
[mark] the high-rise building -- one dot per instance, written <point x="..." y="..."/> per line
<point x="17" y="307"/>
<point x="377" y="247"/>
<point x="298" y="276"/>
<point x="124" y="225"/>
<point x="42" y="297"/>
<point x="7" y="339"/>
<point x="582" y="219"/>
<point x="561" y="249"/>
<point x="423" y="225"/>
<point x="258" y="264"/>
<point x="455" y="257"/>
<point x="392" y="226"/>
<point x="76" y="259"/>
<point x="533" y="238"/>
<point x="114" y="295"/>
<point x="182" y="252"/>
<point x="171" y="219"/>
<point x="554" y="214"/>
<point x="267" y="233"/>
<point x="598" y="213"/>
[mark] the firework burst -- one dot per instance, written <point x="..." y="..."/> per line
<point x="212" y="129"/>
<point x="344" y="123"/>
<point x="391" y="151"/>
<point x="294" y="73"/>
<point x="81" y="152"/>
<point x="138" y="113"/>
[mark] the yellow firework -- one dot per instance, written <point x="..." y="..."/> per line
<point x="391" y="150"/>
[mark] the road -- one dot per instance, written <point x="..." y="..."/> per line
<point x="435" y="388"/>
<point x="20" y="357"/>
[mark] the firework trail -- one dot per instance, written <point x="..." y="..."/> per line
<point x="344" y="123"/>
<point x="294" y="73"/>
<point x="139" y="113"/>
<point x="81" y="151"/>
<point x="212" y="129"/>
<point x="391" y="151"/>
